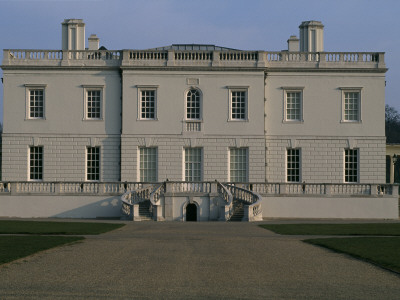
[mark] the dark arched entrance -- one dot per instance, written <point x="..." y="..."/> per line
<point x="191" y="212"/>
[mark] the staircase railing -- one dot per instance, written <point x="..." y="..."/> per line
<point x="226" y="195"/>
<point x="131" y="199"/>
<point x="252" y="201"/>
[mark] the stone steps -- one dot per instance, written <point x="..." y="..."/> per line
<point x="144" y="211"/>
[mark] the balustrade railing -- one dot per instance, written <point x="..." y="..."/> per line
<point x="184" y="186"/>
<point x="188" y="57"/>
<point x="226" y="195"/>
<point x="192" y="126"/>
<point x="252" y="201"/>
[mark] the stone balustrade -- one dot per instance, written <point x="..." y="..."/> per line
<point x="191" y="58"/>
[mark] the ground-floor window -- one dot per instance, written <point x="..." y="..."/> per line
<point x="238" y="165"/>
<point x="193" y="164"/>
<point x="36" y="163"/>
<point x="293" y="165"/>
<point x="351" y="165"/>
<point x="93" y="164"/>
<point x="148" y="164"/>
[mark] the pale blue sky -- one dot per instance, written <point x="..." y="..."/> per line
<point x="351" y="25"/>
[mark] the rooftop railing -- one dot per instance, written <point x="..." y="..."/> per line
<point x="189" y="58"/>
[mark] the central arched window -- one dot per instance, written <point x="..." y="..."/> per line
<point x="193" y="104"/>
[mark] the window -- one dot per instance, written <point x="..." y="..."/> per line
<point x="238" y="165"/>
<point x="193" y="105"/>
<point x="147" y="107"/>
<point x="351" y="165"/>
<point x="93" y="105"/>
<point x="35" y="101"/>
<point x="238" y="103"/>
<point x="93" y="164"/>
<point x="293" y="104"/>
<point x="193" y="164"/>
<point x="93" y="102"/>
<point x="351" y="106"/>
<point x="293" y="165"/>
<point x="36" y="163"/>
<point x="148" y="164"/>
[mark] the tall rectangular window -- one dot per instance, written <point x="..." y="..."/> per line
<point x="93" y="104"/>
<point x="351" y="165"/>
<point x="193" y="164"/>
<point x="238" y="105"/>
<point x="351" y="106"/>
<point x="36" y="163"/>
<point x="148" y="104"/>
<point x="36" y="103"/>
<point x="293" y="106"/>
<point x="193" y="109"/>
<point x="148" y="164"/>
<point x="93" y="164"/>
<point x="293" y="165"/>
<point x="238" y="165"/>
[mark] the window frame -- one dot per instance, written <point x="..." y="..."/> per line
<point x="87" y="164"/>
<point x="143" y="88"/>
<point x="86" y="90"/>
<point x="140" y="177"/>
<point x="200" y="118"/>
<point x="344" y="91"/>
<point x="192" y="170"/>
<point x="231" y="90"/>
<point x="41" y="166"/>
<point x="299" y="169"/>
<point x="28" y="89"/>
<point x="286" y="91"/>
<point x="346" y="163"/>
<point x="230" y="170"/>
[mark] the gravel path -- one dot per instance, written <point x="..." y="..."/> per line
<point x="210" y="260"/>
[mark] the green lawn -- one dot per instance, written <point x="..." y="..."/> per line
<point x="59" y="228"/>
<point x="383" y="251"/>
<point x="378" y="229"/>
<point x="15" y="247"/>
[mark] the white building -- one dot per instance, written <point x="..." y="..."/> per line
<point x="195" y="113"/>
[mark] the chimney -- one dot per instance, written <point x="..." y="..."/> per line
<point x="94" y="42"/>
<point x="311" y="36"/>
<point x="293" y="44"/>
<point x="73" y="34"/>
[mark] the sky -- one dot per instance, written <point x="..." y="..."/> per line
<point x="350" y="26"/>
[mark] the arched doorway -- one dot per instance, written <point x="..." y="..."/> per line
<point x="191" y="212"/>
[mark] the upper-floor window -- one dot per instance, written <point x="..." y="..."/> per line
<point x="36" y="163"/>
<point x="193" y="104"/>
<point x="293" y="104"/>
<point x="238" y="103"/>
<point x="93" y="102"/>
<point x="35" y="101"/>
<point x="147" y="109"/>
<point x="351" y="103"/>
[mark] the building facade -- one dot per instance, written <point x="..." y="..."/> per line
<point x="193" y="112"/>
<point x="310" y="121"/>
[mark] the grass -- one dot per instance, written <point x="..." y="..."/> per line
<point x="376" y="229"/>
<point x="15" y="247"/>
<point x="58" y="228"/>
<point x="383" y="251"/>
<point x="379" y="250"/>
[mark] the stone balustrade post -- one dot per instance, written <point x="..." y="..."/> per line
<point x="171" y="58"/>
<point x="283" y="188"/>
<point x="395" y="190"/>
<point x="374" y="189"/>
<point x="216" y="61"/>
<point x="328" y="189"/>
<point x="262" y="59"/>
<point x="57" y="188"/>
